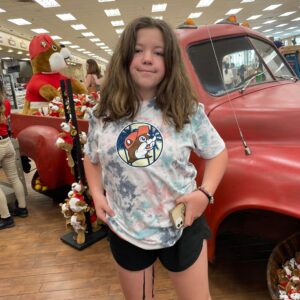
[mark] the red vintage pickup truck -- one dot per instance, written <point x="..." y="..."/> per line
<point x="252" y="97"/>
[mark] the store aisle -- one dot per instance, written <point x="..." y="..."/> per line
<point x="35" y="264"/>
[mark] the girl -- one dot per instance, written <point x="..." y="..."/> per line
<point x="92" y="79"/>
<point x="139" y="143"/>
<point x="8" y="163"/>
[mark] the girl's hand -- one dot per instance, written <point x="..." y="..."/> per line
<point x="102" y="208"/>
<point x="195" y="204"/>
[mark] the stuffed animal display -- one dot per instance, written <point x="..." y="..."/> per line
<point x="47" y="60"/>
<point x="74" y="210"/>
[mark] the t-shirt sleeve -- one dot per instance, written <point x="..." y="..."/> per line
<point x="207" y="141"/>
<point x="91" y="148"/>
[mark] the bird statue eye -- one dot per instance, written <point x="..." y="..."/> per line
<point x="54" y="47"/>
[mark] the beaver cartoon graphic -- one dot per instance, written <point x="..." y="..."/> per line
<point x="139" y="143"/>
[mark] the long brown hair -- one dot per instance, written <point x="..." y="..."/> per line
<point x="2" y="106"/>
<point x="93" y="68"/>
<point x="174" y="97"/>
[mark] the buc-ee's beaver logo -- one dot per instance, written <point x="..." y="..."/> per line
<point x="139" y="144"/>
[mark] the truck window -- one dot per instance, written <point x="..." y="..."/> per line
<point x="229" y="63"/>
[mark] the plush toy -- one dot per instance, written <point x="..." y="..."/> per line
<point x="65" y="141"/>
<point x="47" y="60"/>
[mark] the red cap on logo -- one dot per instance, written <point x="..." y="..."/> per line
<point x="39" y="44"/>
<point x="130" y="139"/>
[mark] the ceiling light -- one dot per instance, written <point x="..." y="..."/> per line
<point x="56" y="37"/>
<point x="268" y="30"/>
<point x="40" y="30"/>
<point x="74" y="46"/>
<point x="290" y="28"/>
<point x="100" y="44"/>
<point x="287" y="14"/>
<point x="281" y="25"/>
<point x="272" y="7"/>
<point x="112" y="12"/>
<point x="159" y="7"/>
<point x="95" y="40"/>
<point x="86" y="34"/>
<point x="246" y="1"/>
<point x="269" y="22"/>
<point x="78" y="26"/>
<point x="204" y="3"/>
<point x="104" y="47"/>
<point x="233" y="11"/>
<point x="20" y="52"/>
<point x="278" y="32"/>
<point x="256" y="27"/>
<point x="158" y="17"/>
<point x="254" y="17"/>
<point x="119" y="30"/>
<point x="19" y="21"/>
<point x="10" y="50"/>
<point x="195" y="15"/>
<point x="81" y="49"/>
<point x="105" y="1"/>
<point x="25" y="58"/>
<point x="47" y="3"/>
<point x="117" y="23"/>
<point x="65" y="42"/>
<point x="297" y="19"/>
<point x="66" y="17"/>
<point x="2" y="10"/>
<point x="219" y="20"/>
<point x="86" y="52"/>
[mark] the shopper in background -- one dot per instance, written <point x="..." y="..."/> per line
<point x="227" y="76"/>
<point x="139" y="143"/>
<point x="93" y="76"/>
<point x="279" y="44"/>
<point x="8" y="163"/>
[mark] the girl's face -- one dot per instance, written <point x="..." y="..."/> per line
<point x="147" y="68"/>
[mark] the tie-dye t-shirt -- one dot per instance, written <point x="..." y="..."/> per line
<point x="145" y="168"/>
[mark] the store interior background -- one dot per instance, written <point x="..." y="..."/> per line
<point x="101" y="28"/>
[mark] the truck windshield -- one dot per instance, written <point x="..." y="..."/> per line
<point x="230" y="63"/>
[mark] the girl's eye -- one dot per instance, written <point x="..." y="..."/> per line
<point x="142" y="139"/>
<point x="160" y="53"/>
<point x="137" y="50"/>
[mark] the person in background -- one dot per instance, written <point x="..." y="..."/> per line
<point x="137" y="163"/>
<point x="93" y="76"/>
<point x="279" y="44"/>
<point x="227" y="76"/>
<point x="8" y="163"/>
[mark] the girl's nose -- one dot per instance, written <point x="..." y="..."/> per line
<point x="147" y="57"/>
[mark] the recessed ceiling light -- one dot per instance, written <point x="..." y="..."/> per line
<point x="117" y="23"/>
<point x="86" y="34"/>
<point x="112" y="12"/>
<point x="66" y="17"/>
<point x="272" y="7"/>
<point x="56" y="37"/>
<point x="233" y="11"/>
<point x="159" y="7"/>
<point x="105" y="1"/>
<point x="195" y="15"/>
<point x="269" y="22"/>
<point x="10" y="50"/>
<point x="267" y="30"/>
<point x="219" y="20"/>
<point x="95" y="40"/>
<point x="256" y="27"/>
<point x="78" y="26"/>
<point x="87" y="52"/>
<point x="100" y="44"/>
<point x="246" y="1"/>
<point x="158" y="17"/>
<point x="290" y="28"/>
<point x="281" y="25"/>
<point x="19" y="21"/>
<point x="119" y="30"/>
<point x="74" y="46"/>
<point x="2" y="10"/>
<point x="297" y="19"/>
<point x="204" y="3"/>
<point x="47" y="3"/>
<point x="65" y="42"/>
<point x="104" y="47"/>
<point x="254" y="17"/>
<point x="20" y="52"/>
<point x="287" y="14"/>
<point x="81" y="49"/>
<point x="39" y="30"/>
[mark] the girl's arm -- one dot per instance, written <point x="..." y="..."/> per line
<point x="196" y="202"/>
<point x="88" y="80"/>
<point x="94" y="179"/>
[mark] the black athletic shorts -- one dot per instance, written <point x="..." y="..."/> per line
<point x="175" y="259"/>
